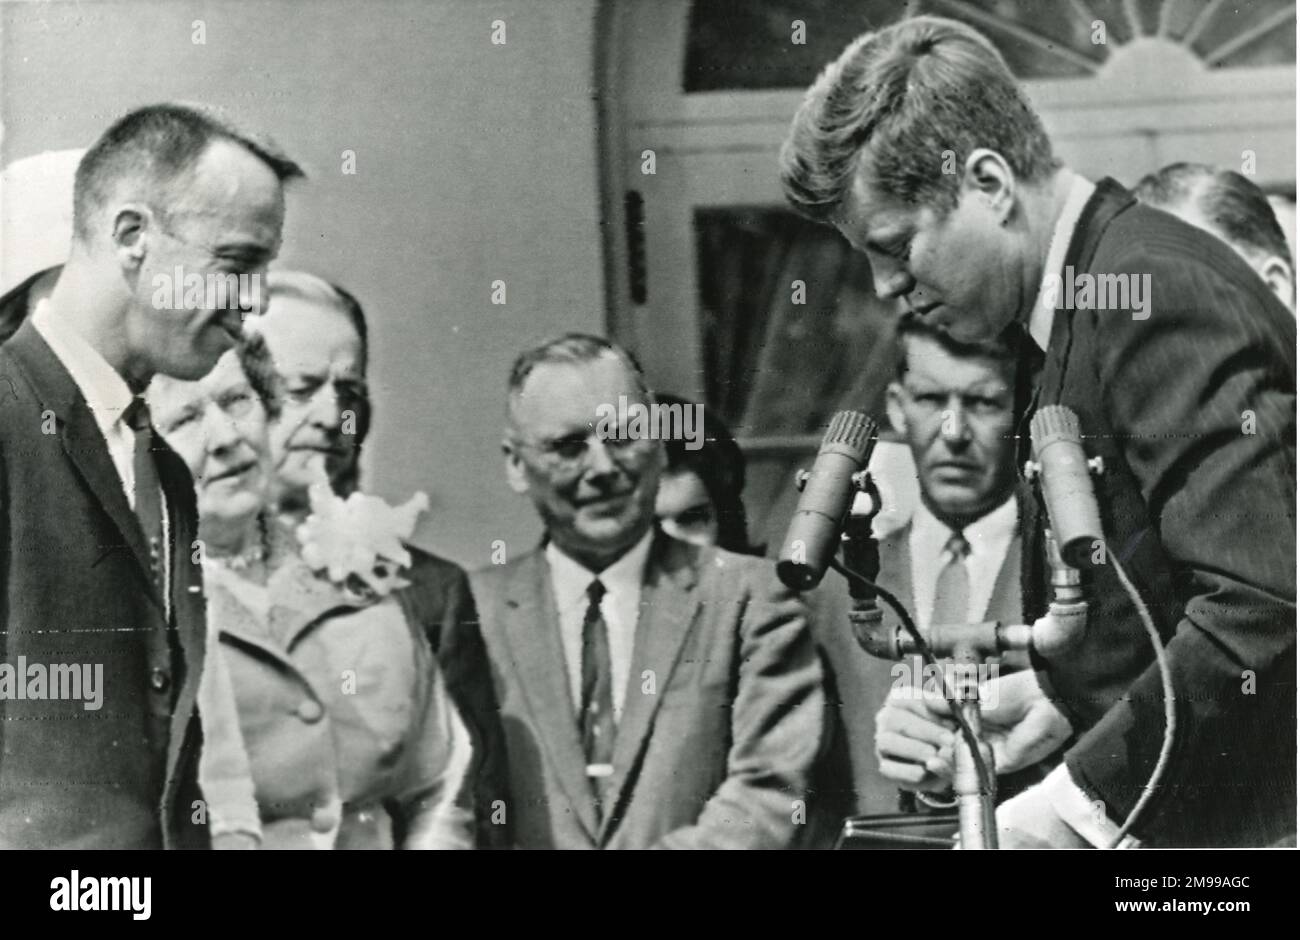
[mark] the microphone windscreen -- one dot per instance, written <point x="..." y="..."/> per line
<point x="1066" y="484"/>
<point x="813" y="536"/>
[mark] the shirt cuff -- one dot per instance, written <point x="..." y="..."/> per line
<point x="1086" y="817"/>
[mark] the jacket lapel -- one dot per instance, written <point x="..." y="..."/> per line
<point x="668" y="607"/>
<point x="1108" y="201"/>
<point x="1005" y="602"/>
<point x="83" y="443"/>
<point x="188" y="616"/>
<point x="537" y="656"/>
<point x="896" y="566"/>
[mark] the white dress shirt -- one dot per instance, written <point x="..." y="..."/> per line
<point x="1044" y="312"/>
<point x="989" y="537"/>
<point x="621" y="606"/>
<point x="106" y="393"/>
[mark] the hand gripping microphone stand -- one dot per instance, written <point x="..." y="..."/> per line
<point x="1062" y="471"/>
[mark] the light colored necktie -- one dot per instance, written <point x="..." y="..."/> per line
<point x="952" y="587"/>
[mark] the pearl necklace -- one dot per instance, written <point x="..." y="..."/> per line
<point x="254" y="554"/>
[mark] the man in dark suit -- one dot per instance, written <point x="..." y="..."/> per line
<point x="97" y="515"/>
<point x="654" y="693"/>
<point x="918" y="145"/>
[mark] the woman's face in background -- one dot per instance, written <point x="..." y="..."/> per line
<point x="684" y="508"/>
<point x="218" y="426"/>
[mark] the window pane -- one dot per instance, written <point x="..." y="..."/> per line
<point x="749" y="44"/>
<point x="1231" y="20"/>
<point x="791" y="328"/>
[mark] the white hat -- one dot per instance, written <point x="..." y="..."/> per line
<point x="35" y="214"/>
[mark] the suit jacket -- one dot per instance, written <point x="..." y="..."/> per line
<point x="1193" y="411"/>
<point x="722" y="717"/>
<point x="440" y="601"/>
<point x="848" y="780"/>
<point x="75" y="589"/>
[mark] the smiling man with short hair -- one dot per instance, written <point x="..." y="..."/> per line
<point x="97" y="514"/>
<point x="653" y="693"/>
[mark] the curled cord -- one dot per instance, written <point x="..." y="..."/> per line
<point x="1171" y="709"/>
<point x="987" y="781"/>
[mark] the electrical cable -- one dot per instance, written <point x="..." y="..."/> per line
<point x="1171" y="706"/>
<point x="987" y="780"/>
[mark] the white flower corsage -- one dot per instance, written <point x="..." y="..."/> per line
<point x="357" y="542"/>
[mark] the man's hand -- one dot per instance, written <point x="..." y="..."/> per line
<point x="914" y="729"/>
<point x="916" y="733"/>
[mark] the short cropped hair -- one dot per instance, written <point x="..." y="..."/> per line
<point x="1237" y="209"/>
<point x="920" y="93"/>
<point x="1004" y="349"/>
<point x="157" y="145"/>
<point x="573" y="348"/>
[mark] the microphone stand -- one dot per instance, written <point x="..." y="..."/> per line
<point x="975" y="816"/>
<point x="967" y="645"/>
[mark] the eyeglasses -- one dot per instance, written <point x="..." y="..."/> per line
<point x="572" y="451"/>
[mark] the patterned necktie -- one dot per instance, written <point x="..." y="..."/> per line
<point x="148" y="488"/>
<point x="596" y="718"/>
<point x="952" y="588"/>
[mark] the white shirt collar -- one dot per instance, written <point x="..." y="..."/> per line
<point x="105" y="391"/>
<point x="996" y="526"/>
<point x="1049" y="294"/>
<point x="989" y="537"/>
<point x="571" y="578"/>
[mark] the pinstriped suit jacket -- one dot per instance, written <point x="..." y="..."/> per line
<point x="1192" y="409"/>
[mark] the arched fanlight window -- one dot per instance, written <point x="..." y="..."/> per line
<point x="1066" y="39"/>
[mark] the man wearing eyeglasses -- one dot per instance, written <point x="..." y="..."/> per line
<point x="97" y="514"/>
<point x="653" y="693"/>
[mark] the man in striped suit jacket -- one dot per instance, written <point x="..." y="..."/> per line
<point x="920" y="148"/>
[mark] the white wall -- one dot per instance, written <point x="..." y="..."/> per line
<point x="474" y="162"/>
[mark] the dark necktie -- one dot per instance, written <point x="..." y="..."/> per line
<point x="1029" y="370"/>
<point x="148" y="488"/>
<point x="596" y="718"/>
<point x="952" y="588"/>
